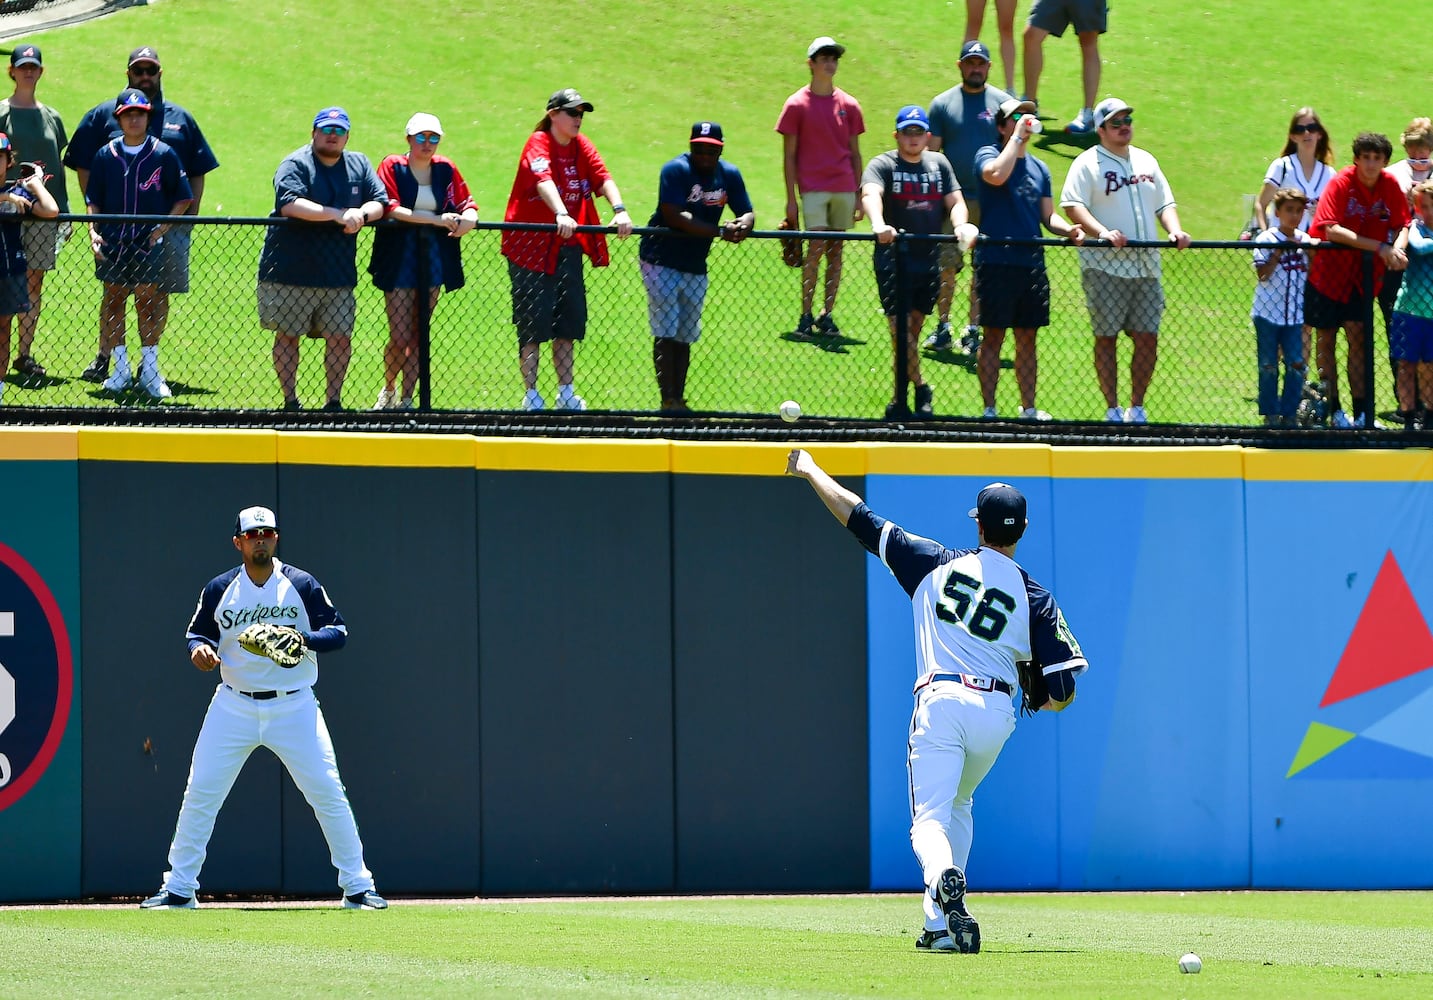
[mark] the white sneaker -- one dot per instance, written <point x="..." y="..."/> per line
<point x="989" y="413"/>
<point x="120" y="380"/>
<point x="533" y="400"/>
<point x="1030" y="413"/>
<point x="406" y="403"/>
<point x="1340" y="420"/>
<point x="1084" y="122"/>
<point x="385" y="400"/>
<point x="1136" y="415"/>
<point x="1114" y="415"/>
<point x="153" y="383"/>
<point x="569" y="400"/>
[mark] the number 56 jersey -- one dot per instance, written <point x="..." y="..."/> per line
<point x="976" y="611"/>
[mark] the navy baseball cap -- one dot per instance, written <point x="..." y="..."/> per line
<point x="332" y="116"/>
<point x="255" y="517"/>
<point x="912" y="114"/>
<point x="27" y="55"/>
<point x="1000" y="510"/>
<point x="709" y="132"/>
<point x="132" y="99"/>
<point x="143" y="54"/>
<point x="974" y="50"/>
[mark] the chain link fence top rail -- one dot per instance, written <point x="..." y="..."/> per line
<point x="214" y="354"/>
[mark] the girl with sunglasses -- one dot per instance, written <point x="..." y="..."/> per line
<point x="1306" y="165"/>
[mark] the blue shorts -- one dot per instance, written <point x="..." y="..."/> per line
<point x="1410" y="338"/>
<point x="14" y="294"/>
<point x="674" y="302"/>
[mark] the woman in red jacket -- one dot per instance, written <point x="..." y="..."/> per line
<point x="557" y="176"/>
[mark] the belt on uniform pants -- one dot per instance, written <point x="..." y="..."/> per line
<point x="264" y="695"/>
<point x="975" y="683"/>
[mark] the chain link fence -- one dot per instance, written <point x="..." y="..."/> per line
<point x="464" y="357"/>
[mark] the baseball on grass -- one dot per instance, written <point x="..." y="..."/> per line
<point x="790" y="411"/>
<point x="1190" y="963"/>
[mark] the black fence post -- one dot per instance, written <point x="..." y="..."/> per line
<point x="423" y="295"/>
<point x="1369" y="300"/>
<point x="902" y="300"/>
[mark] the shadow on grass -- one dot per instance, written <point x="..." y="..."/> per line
<point x="830" y="344"/>
<point x="138" y="398"/>
<point x="46" y="381"/>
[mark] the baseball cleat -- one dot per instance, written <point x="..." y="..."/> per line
<point x="368" y="900"/>
<point x="935" y="941"/>
<point x="949" y="895"/>
<point x="166" y="900"/>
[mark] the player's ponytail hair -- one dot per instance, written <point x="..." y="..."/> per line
<point x="545" y="125"/>
<point x="1323" y="152"/>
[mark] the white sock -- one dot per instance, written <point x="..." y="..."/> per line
<point x="565" y="390"/>
<point x="120" y="358"/>
<point x="149" y="356"/>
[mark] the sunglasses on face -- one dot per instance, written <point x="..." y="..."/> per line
<point x="913" y="130"/>
<point x="425" y="138"/>
<point x="149" y="70"/>
<point x="254" y="534"/>
<point x="1421" y="162"/>
<point x="573" y="114"/>
<point x="1301" y="129"/>
<point x="334" y="130"/>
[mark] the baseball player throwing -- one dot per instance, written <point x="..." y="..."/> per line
<point x="982" y="627"/>
<point x="261" y="624"/>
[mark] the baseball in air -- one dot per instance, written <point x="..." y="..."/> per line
<point x="790" y="411"/>
<point x="1190" y="963"/>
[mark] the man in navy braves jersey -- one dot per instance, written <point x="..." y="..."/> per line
<point x="977" y="613"/>
<point x="259" y="703"/>
<point x="911" y="190"/>
<point x="694" y="190"/>
<point x="171" y="125"/>
<point x="135" y="174"/>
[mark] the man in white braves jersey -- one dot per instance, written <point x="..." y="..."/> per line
<point x="1118" y="193"/>
<point x="259" y="703"/>
<point x="977" y="613"/>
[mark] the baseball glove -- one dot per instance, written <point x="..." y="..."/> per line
<point x="1033" y="691"/>
<point x="791" y="251"/>
<point x="280" y="643"/>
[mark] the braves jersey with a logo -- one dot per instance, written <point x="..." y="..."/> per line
<point x="912" y="200"/>
<point x="231" y="602"/>
<point x="1124" y="193"/>
<point x="1287" y="172"/>
<point x="150" y="181"/>
<point x="578" y="171"/>
<point x="12" y="243"/>
<point x="965" y="122"/>
<point x="169" y="123"/>
<point x="1280" y="298"/>
<point x="704" y="198"/>
<point x="1377" y="213"/>
<point x="977" y="612"/>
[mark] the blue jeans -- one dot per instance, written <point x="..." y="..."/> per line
<point x="1273" y="338"/>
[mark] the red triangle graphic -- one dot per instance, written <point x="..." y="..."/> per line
<point x="1390" y="641"/>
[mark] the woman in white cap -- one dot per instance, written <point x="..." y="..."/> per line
<point x="425" y="190"/>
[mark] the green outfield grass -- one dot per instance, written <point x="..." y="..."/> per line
<point x="1210" y="102"/>
<point x="1349" y="945"/>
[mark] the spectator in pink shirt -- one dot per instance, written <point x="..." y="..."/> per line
<point x="820" y="126"/>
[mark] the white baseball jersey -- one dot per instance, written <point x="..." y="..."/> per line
<point x="976" y="611"/>
<point x="1287" y="172"/>
<point x="1280" y="299"/>
<point x="231" y="602"/>
<point x="1125" y="194"/>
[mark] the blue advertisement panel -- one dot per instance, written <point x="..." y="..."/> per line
<point x="39" y="675"/>
<point x="1340" y="598"/>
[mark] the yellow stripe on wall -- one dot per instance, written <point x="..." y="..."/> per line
<point x="1404" y="465"/>
<point x="547" y="455"/>
<point x="38" y="444"/>
<point x="242" y="447"/>
<point x="405" y="451"/>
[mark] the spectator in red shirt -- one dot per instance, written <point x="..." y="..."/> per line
<point x="1362" y="207"/>
<point x="557" y="175"/>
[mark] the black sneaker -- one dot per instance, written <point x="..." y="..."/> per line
<point x="826" y="326"/>
<point x="27" y="365"/>
<point x="898" y="410"/>
<point x="949" y="895"/>
<point x="923" y="401"/>
<point x="970" y="342"/>
<point x="935" y="941"/>
<point x="292" y="405"/>
<point x="805" y="327"/>
<point x="166" y="900"/>
<point x="98" y="370"/>
<point x="333" y="406"/>
<point x="369" y="900"/>
<point x="941" y="340"/>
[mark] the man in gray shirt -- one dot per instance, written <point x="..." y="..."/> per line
<point x="961" y="121"/>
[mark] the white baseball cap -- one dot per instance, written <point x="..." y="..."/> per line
<point x="824" y="42"/>
<point x="255" y="517"/>
<point x="424" y="122"/>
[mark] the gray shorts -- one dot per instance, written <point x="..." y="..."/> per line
<point x="174" y="267"/>
<point x="1116" y="304"/>
<point x="1055" y="16"/>
<point x="303" y="311"/>
<point x="674" y="302"/>
<point x="43" y="239"/>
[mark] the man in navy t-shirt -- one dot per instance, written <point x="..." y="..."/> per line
<point x="694" y="190"/>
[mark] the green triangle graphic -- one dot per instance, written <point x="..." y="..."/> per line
<point x="1319" y="741"/>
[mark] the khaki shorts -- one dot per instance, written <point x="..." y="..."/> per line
<point x="951" y="259"/>
<point x="42" y="243"/>
<point x="829" y="210"/>
<point x="302" y="311"/>
<point x="1115" y="303"/>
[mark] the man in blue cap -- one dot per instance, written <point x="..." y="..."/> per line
<point x="307" y="273"/>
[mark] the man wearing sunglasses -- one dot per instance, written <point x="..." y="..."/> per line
<point x="1116" y="193"/>
<point x="171" y="125"/>
<point x="261" y="703"/>
<point x="307" y="272"/>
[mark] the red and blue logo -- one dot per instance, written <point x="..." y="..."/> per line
<point x="36" y="676"/>
<point x="1373" y="718"/>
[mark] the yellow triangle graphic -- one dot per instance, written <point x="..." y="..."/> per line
<point x="1319" y="742"/>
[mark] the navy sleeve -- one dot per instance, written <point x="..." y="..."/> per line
<point x="292" y="181"/>
<point x="204" y="626"/>
<point x="329" y="632"/>
<point x="93" y="132"/>
<point x="736" y="195"/>
<point x="200" y="159"/>
<point x="373" y="189"/>
<point x="910" y="558"/>
<point x="1052" y="645"/>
